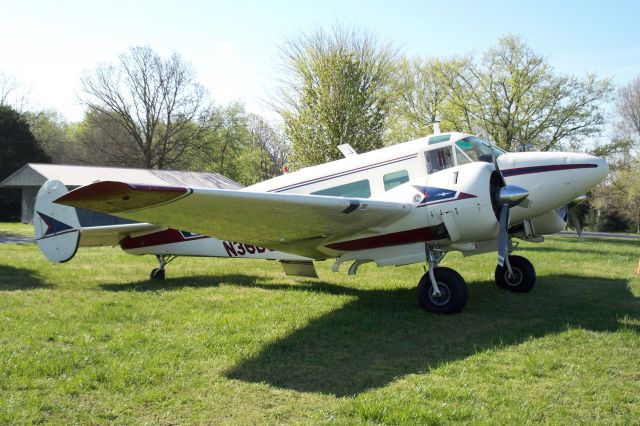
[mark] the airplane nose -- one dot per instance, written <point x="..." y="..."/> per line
<point x="551" y="178"/>
<point x="599" y="172"/>
<point x="603" y="167"/>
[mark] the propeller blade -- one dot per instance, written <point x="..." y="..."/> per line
<point x="503" y="234"/>
<point x="495" y="164"/>
<point x="574" y="221"/>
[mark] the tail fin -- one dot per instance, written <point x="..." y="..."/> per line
<point x="57" y="228"/>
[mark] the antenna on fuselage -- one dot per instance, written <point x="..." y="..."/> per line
<point x="436" y="124"/>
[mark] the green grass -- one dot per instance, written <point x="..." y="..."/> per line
<point x="234" y="341"/>
<point x="16" y="229"/>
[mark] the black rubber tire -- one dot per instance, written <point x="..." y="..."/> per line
<point x="157" y="274"/>
<point x="453" y="289"/>
<point x="524" y="275"/>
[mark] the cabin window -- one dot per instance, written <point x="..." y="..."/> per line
<point x="391" y="180"/>
<point x="438" y="139"/>
<point x="359" y="189"/>
<point x="439" y="159"/>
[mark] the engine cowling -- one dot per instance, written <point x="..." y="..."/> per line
<point x="464" y="199"/>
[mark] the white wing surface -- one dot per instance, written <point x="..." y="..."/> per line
<point x="297" y="224"/>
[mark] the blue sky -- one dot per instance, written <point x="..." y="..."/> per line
<point x="233" y="45"/>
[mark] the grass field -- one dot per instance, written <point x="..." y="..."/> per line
<point x="233" y="341"/>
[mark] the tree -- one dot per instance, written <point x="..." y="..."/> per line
<point x="18" y="146"/>
<point x="271" y="148"/>
<point x="12" y="94"/>
<point x="423" y="94"/>
<point x="227" y="137"/>
<point x="628" y="107"/>
<point x="620" y="196"/>
<point x="145" y="108"/>
<point x="335" y="90"/>
<point x="241" y="146"/>
<point x="514" y="97"/>
<point x="54" y="134"/>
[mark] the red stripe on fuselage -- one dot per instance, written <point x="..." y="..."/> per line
<point x="168" y="236"/>
<point x="548" y="168"/>
<point x="392" y="239"/>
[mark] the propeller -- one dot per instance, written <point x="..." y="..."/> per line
<point x="570" y="215"/>
<point x="574" y="221"/>
<point x="505" y="197"/>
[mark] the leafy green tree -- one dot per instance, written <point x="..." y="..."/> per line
<point x="54" y="134"/>
<point x="18" y="146"/>
<point x="270" y="148"/>
<point x="620" y="195"/>
<point x="335" y="90"/>
<point x="227" y="137"/>
<point x="514" y="97"/>
<point x="422" y="95"/>
<point x="241" y="146"/>
<point x="511" y="95"/>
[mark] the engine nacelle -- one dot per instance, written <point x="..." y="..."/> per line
<point x="550" y="223"/>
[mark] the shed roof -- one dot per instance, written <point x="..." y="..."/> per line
<point x="34" y="174"/>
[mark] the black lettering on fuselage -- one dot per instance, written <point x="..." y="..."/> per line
<point x="236" y="249"/>
<point x="228" y="246"/>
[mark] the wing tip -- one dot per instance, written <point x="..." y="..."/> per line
<point x="114" y="196"/>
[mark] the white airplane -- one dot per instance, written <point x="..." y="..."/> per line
<point x="408" y="203"/>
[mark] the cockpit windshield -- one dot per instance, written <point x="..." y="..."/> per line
<point x="476" y="149"/>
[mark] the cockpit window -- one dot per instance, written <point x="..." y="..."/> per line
<point x="439" y="159"/>
<point x="478" y="149"/>
<point x="461" y="157"/>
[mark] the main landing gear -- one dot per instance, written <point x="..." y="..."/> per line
<point x="520" y="279"/>
<point x="163" y="260"/>
<point x="443" y="291"/>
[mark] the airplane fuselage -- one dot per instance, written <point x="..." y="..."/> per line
<point x="435" y="175"/>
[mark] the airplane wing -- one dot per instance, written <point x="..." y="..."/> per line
<point x="294" y="223"/>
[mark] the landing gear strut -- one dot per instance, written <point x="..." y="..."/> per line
<point x="441" y="290"/>
<point x="163" y="260"/>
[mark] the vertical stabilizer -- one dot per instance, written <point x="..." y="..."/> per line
<point x="57" y="229"/>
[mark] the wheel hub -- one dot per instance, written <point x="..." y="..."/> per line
<point x="444" y="296"/>
<point x="515" y="278"/>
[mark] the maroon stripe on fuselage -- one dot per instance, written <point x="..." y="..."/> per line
<point x="168" y="236"/>
<point x="548" y="168"/>
<point x="392" y="239"/>
<point x="343" y="173"/>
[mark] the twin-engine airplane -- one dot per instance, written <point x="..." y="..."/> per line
<point x="408" y="203"/>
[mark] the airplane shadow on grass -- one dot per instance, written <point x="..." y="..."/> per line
<point x="384" y="335"/>
<point x="12" y="279"/>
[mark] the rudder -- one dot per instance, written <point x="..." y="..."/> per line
<point x="57" y="228"/>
